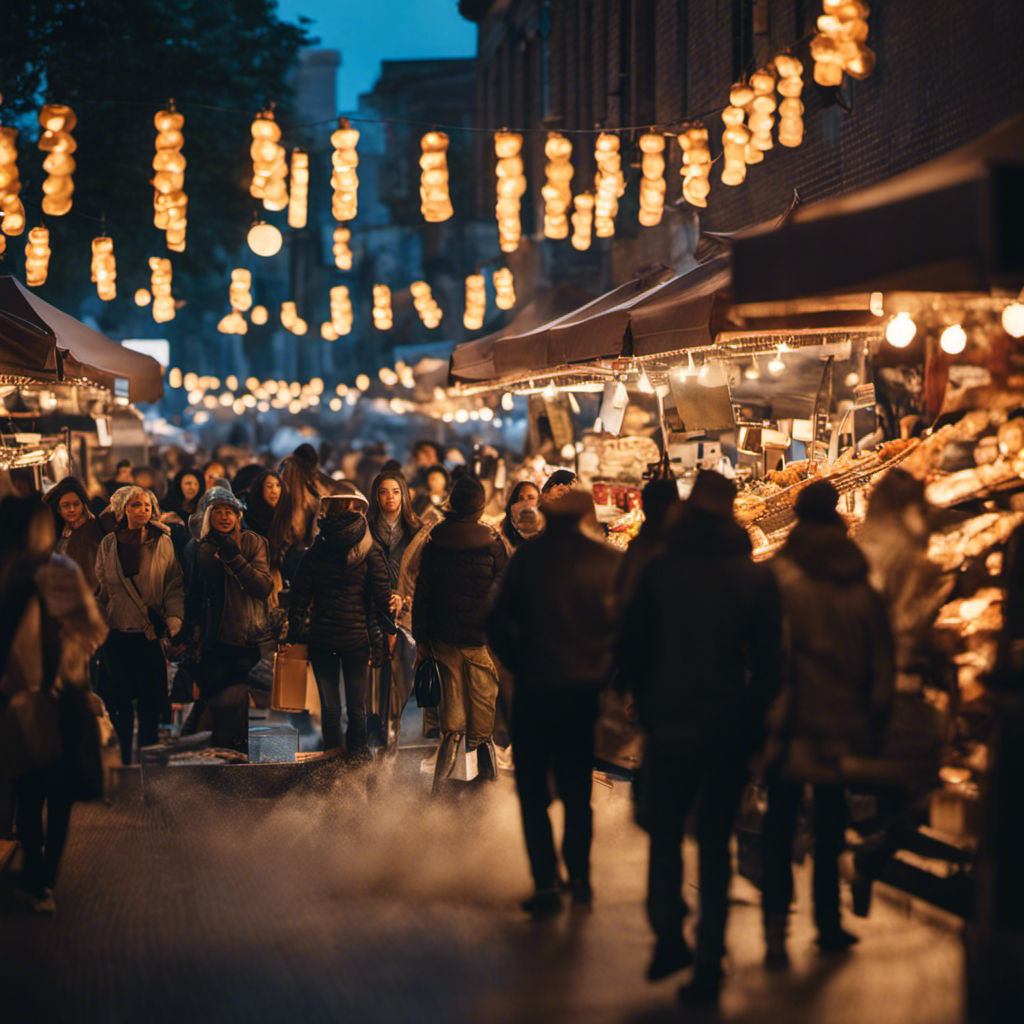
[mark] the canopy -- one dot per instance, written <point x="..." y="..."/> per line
<point x="38" y="340"/>
<point x="955" y="223"/>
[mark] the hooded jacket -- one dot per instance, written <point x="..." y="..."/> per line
<point x="700" y="642"/>
<point x="342" y="585"/>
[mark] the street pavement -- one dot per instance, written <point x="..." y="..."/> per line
<point x="341" y="902"/>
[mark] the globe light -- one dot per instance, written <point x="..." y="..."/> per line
<point x="900" y="330"/>
<point x="142" y="297"/>
<point x="259" y="315"/>
<point x="776" y="366"/>
<point x="1013" y="320"/>
<point x="752" y="372"/>
<point x="507" y="401"/>
<point x="264" y="239"/>
<point x="953" y="340"/>
<point x="362" y="382"/>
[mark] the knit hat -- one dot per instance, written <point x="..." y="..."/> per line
<point x="306" y="454"/>
<point x="468" y="497"/>
<point x="712" y="493"/>
<point x="560" y="476"/>
<point x="816" y="503"/>
<point x="218" y="496"/>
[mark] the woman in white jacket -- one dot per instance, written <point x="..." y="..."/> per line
<point x="142" y="596"/>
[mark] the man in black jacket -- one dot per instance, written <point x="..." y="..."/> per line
<point x="552" y="625"/>
<point x="460" y="564"/>
<point x="700" y="649"/>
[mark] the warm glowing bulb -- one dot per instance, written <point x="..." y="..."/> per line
<point x="691" y="370"/>
<point x="900" y="330"/>
<point x="1013" y="320"/>
<point x="953" y="340"/>
<point x="752" y="372"/>
<point x="507" y="401"/>
<point x="142" y="297"/>
<point x="644" y="383"/>
<point x="259" y="315"/>
<point x="264" y="239"/>
<point x="776" y="366"/>
<point x="362" y="382"/>
<point x="550" y="391"/>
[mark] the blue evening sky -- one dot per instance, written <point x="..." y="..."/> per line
<point x="369" y="31"/>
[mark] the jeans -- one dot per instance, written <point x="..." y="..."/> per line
<point x="779" y="826"/>
<point x="469" y="690"/>
<point x="136" y="670"/>
<point x="42" y="850"/>
<point x="672" y="782"/>
<point x="353" y="668"/>
<point x="553" y="735"/>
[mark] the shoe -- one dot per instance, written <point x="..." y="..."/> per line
<point x="38" y="903"/>
<point x="836" y="940"/>
<point x="669" y="957"/>
<point x="487" y="761"/>
<point x="776" y="958"/>
<point x="447" y="755"/>
<point x="705" y="988"/>
<point x="580" y="892"/>
<point x="543" y="903"/>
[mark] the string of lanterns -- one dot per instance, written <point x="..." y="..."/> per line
<point x="239" y="291"/>
<point x="269" y="167"/>
<point x="11" y="208"/>
<point x="435" y="202"/>
<point x="839" y="44"/>
<point x="556" y="193"/>
<point x="383" y="318"/>
<point x="428" y="309"/>
<point x="511" y="184"/>
<point x="104" y="268"/>
<point x="56" y="141"/>
<point x="652" y="184"/>
<point x="342" y="251"/>
<point x="298" y="201"/>
<point x="696" y="169"/>
<point x="610" y="184"/>
<point x="341" y="311"/>
<point x="160" y="286"/>
<point x="582" y="221"/>
<point x="791" y="109"/>
<point x="37" y="257"/>
<point x="170" y="204"/>
<point x="505" y="297"/>
<point x="476" y="303"/>
<point x="344" y="179"/>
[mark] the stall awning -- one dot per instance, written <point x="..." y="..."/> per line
<point x="38" y="340"/>
<point x="953" y="224"/>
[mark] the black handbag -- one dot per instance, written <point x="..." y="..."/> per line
<point x="427" y="684"/>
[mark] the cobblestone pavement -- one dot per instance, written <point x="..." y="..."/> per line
<point x="332" y="905"/>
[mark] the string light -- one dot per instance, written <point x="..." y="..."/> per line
<point x="753" y="371"/>
<point x="791" y="109"/>
<point x="300" y="327"/>
<point x="37" y="257"/>
<point x="327" y="331"/>
<point x="142" y="297"/>
<point x="777" y="366"/>
<point x="344" y="179"/>
<point x="57" y="122"/>
<point x="839" y="44"/>
<point x="428" y="309"/>
<point x="269" y="166"/>
<point x="610" y="184"/>
<point x="362" y="383"/>
<point x="299" y="200"/>
<point x="582" y="221"/>
<point x="504" y="287"/>
<point x="160" y="286"/>
<point x="170" y="204"/>
<point x="341" y="310"/>
<point x="761" y="115"/>
<point x="435" y="202"/>
<point x="12" y="221"/>
<point x="383" y="318"/>
<point x="696" y="169"/>
<point x="233" y="323"/>
<point x="476" y="302"/>
<point x="511" y="184"/>
<point x="259" y="315"/>
<point x="289" y="315"/>
<point x="238" y="291"/>
<point x="652" y="184"/>
<point x="735" y="137"/>
<point x="900" y="330"/>
<point x="264" y="239"/>
<point x="342" y="252"/>
<point x="953" y="340"/>
<point x="104" y="268"/>
<point x="556" y="192"/>
<point x="174" y="379"/>
<point x="1013" y="319"/>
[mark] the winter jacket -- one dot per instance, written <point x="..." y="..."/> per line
<point x="840" y="652"/>
<point x="342" y="584"/>
<point x="553" y="621"/>
<point x="158" y="585"/>
<point x="700" y="640"/>
<point x="459" y="566"/>
<point x="81" y="545"/>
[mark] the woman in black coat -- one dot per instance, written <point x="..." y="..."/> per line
<point x="266" y="491"/>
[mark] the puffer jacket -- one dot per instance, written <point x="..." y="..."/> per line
<point x="160" y="587"/>
<point x="459" y="566"/>
<point x="342" y="585"/>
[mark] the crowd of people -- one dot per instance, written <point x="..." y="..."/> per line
<point x="784" y="671"/>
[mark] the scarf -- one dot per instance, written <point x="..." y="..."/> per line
<point x="129" y="549"/>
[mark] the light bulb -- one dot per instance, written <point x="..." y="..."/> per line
<point x="900" y="330"/>
<point x="691" y="370"/>
<point x="752" y="372"/>
<point x="362" y="382"/>
<point x="264" y="239"/>
<point x="550" y="391"/>
<point x="776" y="366"/>
<point x="644" y="383"/>
<point x="507" y="401"/>
<point x="953" y="340"/>
<point x="1013" y="320"/>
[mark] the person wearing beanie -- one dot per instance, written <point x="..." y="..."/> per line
<point x="459" y="566"/>
<point x="700" y="650"/>
<point x="306" y="454"/>
<point x="841" y="669"/>
<point x="558" y="485"/>
<point x="552" y="626"/>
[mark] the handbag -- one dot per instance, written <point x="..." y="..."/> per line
<point x="288" y="690"/>
<point x="427" y="683"/>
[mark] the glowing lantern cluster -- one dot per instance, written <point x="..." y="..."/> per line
<point x="37" y="257"/>
<point x="239" y="292"/>
<point x="298" y="202"/>
<point x="652" y="184"/>
<point x="170" y="204"/>
<point x="435" y="202"/>
<point x="269" y="166"/>
<point x="341" y="310"/>
<point x="342" y="252"/>
<point x="383" y="318"/>
<point x="104" y="268"/>
<point x="344" y="179"/>
<point x="761" y="115"/>
<point x="291" y="320"/>
<point x="11" y="209"/>
<point x="556" y="192"/>
<point x="735" y="136"/>
<point x="57" y="121"/>
<point x="582" y="221"/>
<point x="610" y="184"/>
<point x="505" y="297"/>
<point x="511" y="184"/>
<point x="791" y="109"/>
<point x="696" y="169"/>
<point x="476" y="303"/>
<point x="160" y="286"/>
<point x="423" y="300"/>
<point x="233" y="323"/>
<point x="839" y="44"/>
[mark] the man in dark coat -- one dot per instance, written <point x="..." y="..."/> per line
<point x="700" y="651"/>
<point x="460" y="564"/>
<point x="553" y="625"/>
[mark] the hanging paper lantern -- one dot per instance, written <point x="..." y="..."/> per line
<point x="259" y="315"/>
<point x="423" y="300"/>
<point x="264" y="239"/>
<point x="435" y="202"/>
<point x="652" y="184"/>
<point x="341" y="310"/>
<point x="142" y="297"/>
<point x="299" y="200"/>
<point x="342" y="252"/>
<point x="839" y="44"/>
<point x="505" y="297"/>
<point x="734" y="140"/>
<point x="327" y="331"/>
<point x="344" y="179"/>
<point x="170" y="204"/>
<point x="300" y="327"/>
<point x="556" y="192"/>
<point x="511" y="184"/>
<point x="791" y="109"/>
<point x="12" y="213"/>
<point x="269" y="166"/>
<point x="696" y="169"/>
<point x="239" y="290"/>
<point x="233" y="323"/>
<point x="761" y="115"/>
<point x="289" y="316"/>
<point x="160" y="286"/>
<point x="37" y="257"/>
<point x="582" y="221"/>
<point x="610" y="184"/>
<point x="383" y="318"/>
<point x="476" y="302"/>
<point x="57" y="122"/>
<point x="104" y="269"/>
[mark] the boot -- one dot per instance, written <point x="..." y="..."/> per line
<point x="775" y="958"/>
<point x="446" y="757"/>
<point x="487" y="761"/>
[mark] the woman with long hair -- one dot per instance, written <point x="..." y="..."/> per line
<point x="266" y="492"/>
<point x="184" y="492"/>
<point x="293" y="526"/>
<point x="522" y="515"/>
<point x="79" y="532"/>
